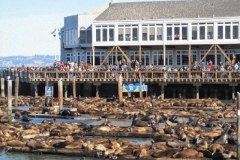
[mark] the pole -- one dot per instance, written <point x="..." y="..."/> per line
<point x="60" y="94"/>
<point x="10" y="101"/>
<point x="16" y="91"/>
<point x="74" y="86"/>
<point x="238" y="123"/>
<point x="65" y="91"/>
<point x="140" y="89"/>
<point x="2" y="88"/>
<point x="120" y="94"/>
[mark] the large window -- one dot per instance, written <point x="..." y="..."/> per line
<point x="104" y="33"/>
<point x="98" y="34"/>
<point x="202" y="31"/>
<point x="169" y="32"/>
<point x="194" y="32"/>
<point x="184" y="32"/>
<point x="176" y="32"/>
<point x="235" y="30"/>
<point x="144" y="33"/>
<point x="158" y="58"/>
<point x="135" y="32"/>
<point x="182" y="57"/>
<point x="83" y="36"/>
<point x="159" y="31"/>
<point x="227" y="30"/>
<point x="128" y="36"/>
<point x="120" y="33"/>
<point x="210" y="31"/>
<point x="152" y="32"/>
<point x="111" y="33"/>
<point x="220" y="31"/>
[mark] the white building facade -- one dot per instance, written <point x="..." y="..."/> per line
<point x="171" y="33"/>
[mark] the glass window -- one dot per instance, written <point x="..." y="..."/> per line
<point x="152" y="34"/>
<point x="144" y="34"/>
<point x="82" y="36"/>
<point x="89" y="36"/>
<point x="184" y="33"/>
<point x="194" y="32"/>
<point x="176" y="33"/>
<point x="127" y="34"/>
<point x="111" y="34"/>
<point x="220" y="32"/>
<point x="235" y="32"/>
<point x="209" y="32"/>
<point x="169" y="33"/>
<point x="159" y="32"/>
<point x="227" y="32"/>
<point x="120" y="34"/>
<point x="135" y="34"/>
<point x="104" y="34"/>
<point x="202" y="32"/>
<point x="98" y="35"/>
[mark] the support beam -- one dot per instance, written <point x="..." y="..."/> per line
<point x="2" y="88"/>
<point x="16" y="90"/>
<point x="65" y="91"/>
<point x="116" y="55"/>
<point x="140" y="92"/>
<point x="93" y="50"/>
<point x="60" y="94"/>
<point x="164" y="55"/>
<point x="206" y="54"/>
<point x="238" y="124"/>
<point x="162" y="92"/>
<point x="35" y="90"/>
<point x="215" y="56"/>
<point x="107" y="57"/>
<point x="74" y="86"/>
<point x="189" y="56"/>
<point x="120" y="93"/>
<point x="46" y="80"/>
<point x="197" y="91"/>
<point x="10" y="101"/>
<point x="97" y="90"/>
<point x="128" y="60"/>
<point x="225" y="55"/>
<point x="140" y="54"/>
<point x="233" y="92"/>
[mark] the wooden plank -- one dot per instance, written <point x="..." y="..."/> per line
<point x="225" y="55"/>
<point x="107" y="57"/>
<point x="128" y="60"/>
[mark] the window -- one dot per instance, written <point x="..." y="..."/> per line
<point x="135" y="33"/>
<point x="220" y="32"/>
<point x="82" y="36"/>
<point x="176" y="33"/>
<point x="194" y="32"/>
<point x="202" y="32"/>
<point x="159" y="32"/>
<point x="227" y="32"/>
<point x="184" y="33"/>
<point x="127" y="33"/>
<point x="98" y="35"/>
<point x="111" y="34"/>
<point x="235" y="32"/>
<point x="152" y="33"/>
<point x="144" y="33"/>
<point x="89" y="36"/>
<point x="120" y="34"/>
<point x="210" y="32"/>
<point x="104" y="34"/>
<point x="169" y="33"/>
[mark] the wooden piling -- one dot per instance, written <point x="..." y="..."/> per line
<point x="60" y="94"/>
<point x="140" y="91"/>
<point x="120" y="93"/>
<point x="10" y="101"/>
<point x="46" y="80"/>
<point x="65" y="91"/>
<point x="74" y="86"/>
<point x="2" y="88"/>
<point x="238" y="124"/>
<point x="16" y="91"/>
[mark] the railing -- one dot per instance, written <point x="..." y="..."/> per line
<point x="148" y="76"/>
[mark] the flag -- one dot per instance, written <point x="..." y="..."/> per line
<point x="59" y="34"/>
<point x="54" y="32"/>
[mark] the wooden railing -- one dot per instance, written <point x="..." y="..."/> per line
<point x="148" y="76"/>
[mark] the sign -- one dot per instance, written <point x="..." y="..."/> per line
<point x="48" y="90"/>
<point x="134" y="87"/>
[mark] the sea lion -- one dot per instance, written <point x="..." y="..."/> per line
<point x="139" y="123"/>
<point x="34" y="144"/>
<point x="168" y="153"/>
<point x="16" y="143"/>
<point x="25" y="118"/>
<point x="188" y="153"/>
<point x="49" y="121"/>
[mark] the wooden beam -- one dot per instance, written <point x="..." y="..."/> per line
<point x="140" y="54"/>
<point x="124" y="54"/>
<point x="215" y="56"/>
<point x="225" y="55"/>
<point x="189" y="56"/>
<point x="206" y="54"/>
<point x="107" y="56"/>
<point x="116" y="55"/>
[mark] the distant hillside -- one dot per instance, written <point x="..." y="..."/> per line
<point x="28" y="61"/>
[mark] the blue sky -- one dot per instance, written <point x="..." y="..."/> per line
<point x="26" y="25"/>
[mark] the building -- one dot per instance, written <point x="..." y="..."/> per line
<point x="171" y="33"/>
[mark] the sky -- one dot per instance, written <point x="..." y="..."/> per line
<point x="26" y="25"/>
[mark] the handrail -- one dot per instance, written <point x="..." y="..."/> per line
<point x="113" y="75"/>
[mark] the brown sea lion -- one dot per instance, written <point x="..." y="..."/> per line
<point x="34" y="144"/>
<point x="16" y="143"/>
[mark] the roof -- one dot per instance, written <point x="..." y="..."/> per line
<point x="98" y="10"/>
<point x="170" y="10"/>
